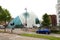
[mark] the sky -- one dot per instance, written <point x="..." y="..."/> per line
<point x="38" y="7"/>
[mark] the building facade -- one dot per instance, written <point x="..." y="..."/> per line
<point x="26" y="19"/>
<point x="53" y="20"/>
<point x="58" y="12"/>
<point x="29" y="19"/>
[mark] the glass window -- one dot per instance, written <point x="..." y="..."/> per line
<point x="58" y="8"/>
<point x="58" y="12"/>
<point x="58" y="1"/>
<point x="59" y="20"/>
<point x="37" y="21"/>
<point x="59" y="16"/>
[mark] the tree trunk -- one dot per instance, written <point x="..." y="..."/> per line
<point x="5" y="27"/>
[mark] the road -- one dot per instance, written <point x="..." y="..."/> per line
<point x="7" y="36"/>
<point x="18" y="31"/>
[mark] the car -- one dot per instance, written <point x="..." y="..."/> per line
<point x="43" y="31"/>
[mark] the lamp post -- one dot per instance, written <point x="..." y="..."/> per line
<point x="26" y="15"/>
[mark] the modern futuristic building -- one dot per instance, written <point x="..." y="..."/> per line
<point x="29" y="19"/>
<point x="26" y="19"/>
<point x="14" y="22"/>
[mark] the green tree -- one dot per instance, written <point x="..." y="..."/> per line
<point x="4" y="15"/>
<point x="7" y="15"/>
<point x="1" y="14"/>
<point x="46" y="20"/>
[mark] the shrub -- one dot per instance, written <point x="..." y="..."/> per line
<point x="55" y="31"/>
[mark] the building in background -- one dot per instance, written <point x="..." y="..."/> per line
<point x="14" y="22"/>
<point x="58" y="12"/>
<point x="28" y="19"/>
<point x="53" y="20"/>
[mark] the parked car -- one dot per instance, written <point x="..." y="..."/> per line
<point x="43" y="31"/>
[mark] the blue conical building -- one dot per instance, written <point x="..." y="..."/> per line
<point x="14" y="22"/>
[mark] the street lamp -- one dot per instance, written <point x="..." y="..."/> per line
<point x="26" y="15"/>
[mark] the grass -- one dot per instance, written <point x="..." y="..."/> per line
<point x="1" y="31"/>
<point x="40" y="36"/>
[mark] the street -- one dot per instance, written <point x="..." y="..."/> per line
<point x="14" y="36"/>
<point x="7" y="36"/>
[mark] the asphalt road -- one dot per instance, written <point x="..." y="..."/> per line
<point x="7" y="36"/>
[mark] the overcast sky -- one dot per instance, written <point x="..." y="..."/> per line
<point x="38" y="7"/>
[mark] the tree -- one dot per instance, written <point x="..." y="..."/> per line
<point x="46" y="20"/>
<point x="1" y="14"/>
<point x="4" y="15"/>
<point x="7" y="15"/>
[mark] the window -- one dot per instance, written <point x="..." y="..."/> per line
<point x="58" y="8"/>
<point x="37" y="21"/>
<point x="58" y="12"/>
<point x="59" y="16"/>
<point x="58" y="1"/>
<point x="59" y="20"/>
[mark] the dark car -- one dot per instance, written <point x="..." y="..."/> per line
<point x="43" y="31"/>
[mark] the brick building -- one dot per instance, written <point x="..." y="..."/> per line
<point x="53" y="20"/>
